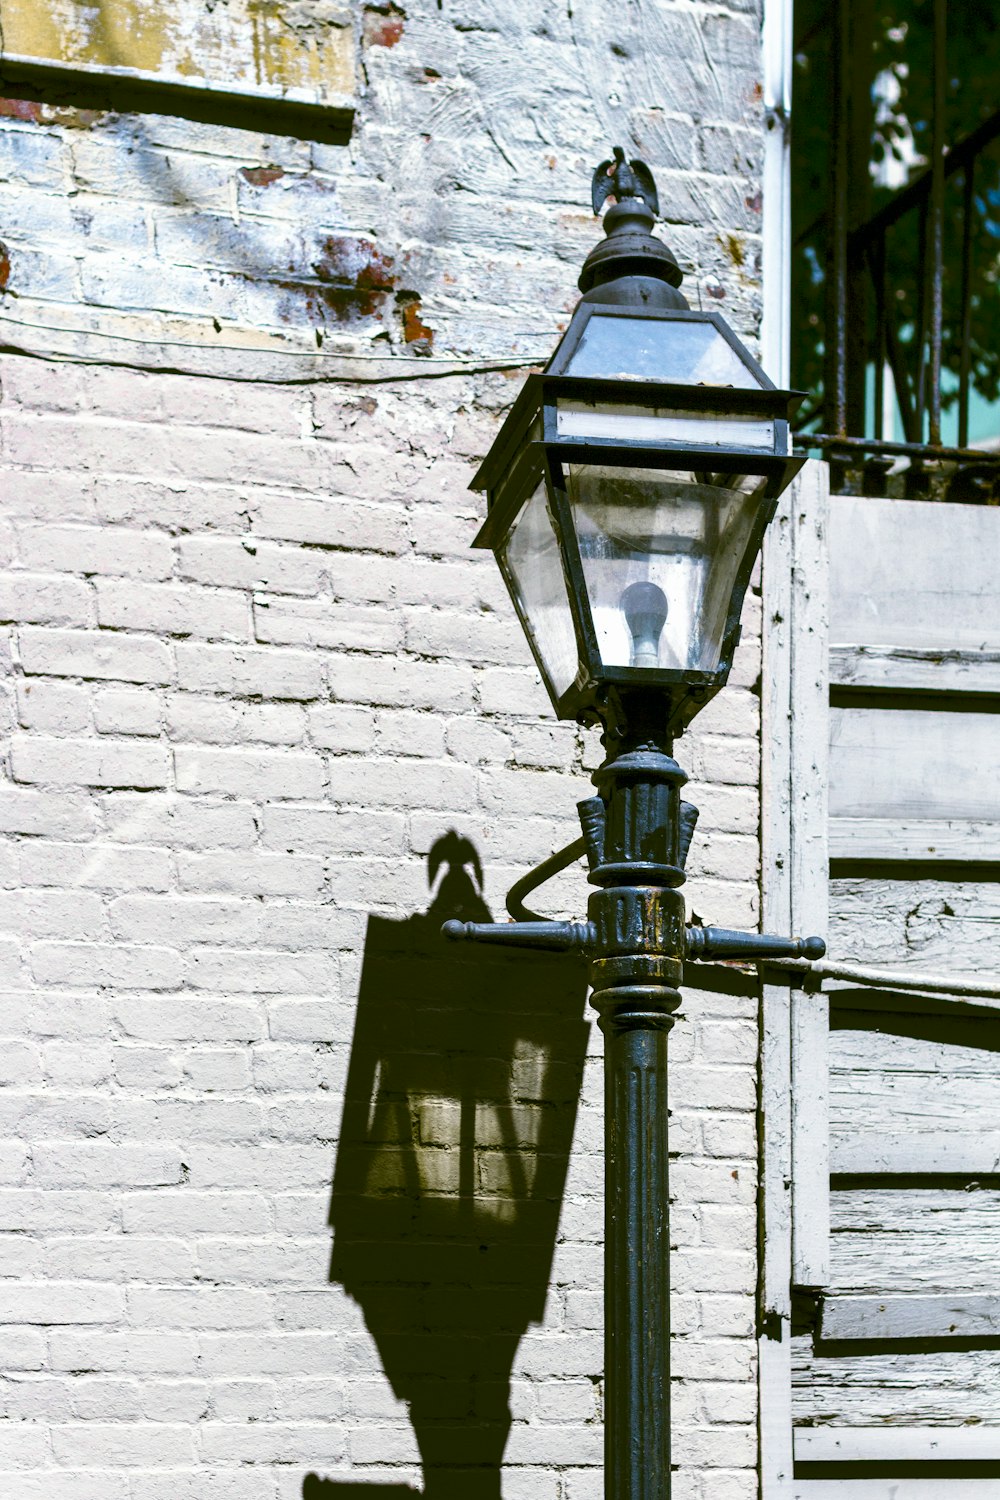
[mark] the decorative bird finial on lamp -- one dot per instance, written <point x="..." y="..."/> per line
<point x="625" y="180"/>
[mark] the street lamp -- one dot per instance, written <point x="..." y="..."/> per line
<point x="628" y="493"/>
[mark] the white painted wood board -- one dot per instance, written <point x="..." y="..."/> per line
<point x="894" y="1489"/>
<point x="941" y="1315"/>
<point x="907" y="573"/>
<point x="913" y="764"/>
<point x="931" y="1153"/>
<point x="907" y="669"/>
<point x="774" y="1345"/>
<point x="910" y="1389"/>
<point x="884" y="1444"/>
<point x="937" y="926"/>
<point x="918" y="1104"/>
<point x="945" y="840"/>
<point x="808" y="765"/>
<point x="892" y="1240"/>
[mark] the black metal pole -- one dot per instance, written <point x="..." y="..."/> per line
<point x="638" y="917"/>
<point x="636" y="836"/>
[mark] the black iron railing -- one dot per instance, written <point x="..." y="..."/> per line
<point x="928" y="231"/>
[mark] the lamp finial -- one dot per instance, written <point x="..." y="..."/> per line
<point x="625" y="179"/>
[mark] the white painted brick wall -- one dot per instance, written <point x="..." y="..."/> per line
<point x="253" y="674"/>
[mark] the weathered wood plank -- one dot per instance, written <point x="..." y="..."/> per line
<point x="964" y="1154"/>
<point x="810" y="872"/>
<point x="915" y="1240"/>
<point x="946" y="592"/>
<point x="906" y="669"/>
<point x="893" y="1489"/>
<point x="778" y="831"/>
<point x="959" y="840"/>
<point x="943" y="1051"/>
<point x="913" y="764"/>
<point x="919" y="1389"/>
<point x="884" y="1444"/>
<point x="934" y="926"/>
<point x="776" y="899"/>
<point x="958" y="1315"/>
<point x="916" y="1098"/>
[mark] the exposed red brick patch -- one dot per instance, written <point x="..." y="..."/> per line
<point x="21" y="109"/>
<point x="4" y="267"/>
<point x="262" y="176"/>
<point x="382" y="25"/>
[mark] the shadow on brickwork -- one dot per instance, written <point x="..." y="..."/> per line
<point x="461" y="1097"/>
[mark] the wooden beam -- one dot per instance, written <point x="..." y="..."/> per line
<point x="810" y="872"/>
<point x="956" y="1315"/>
<point x="963" y="1153"/>
<point x="884" y="1444"/>
<point x="894" y="1489"/>
<point x="908" y="669"/>
<point x="944" y="840"/>
<point x="944" y="591"/>
<point x="774" y="1344"/>
<point x="911" y="764"/>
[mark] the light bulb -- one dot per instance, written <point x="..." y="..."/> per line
<point x="644" y="606"/>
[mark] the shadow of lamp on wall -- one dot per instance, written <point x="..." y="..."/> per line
<point x="465" y="1071"/>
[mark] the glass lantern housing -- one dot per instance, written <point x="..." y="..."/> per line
<point x="628" y="494"/>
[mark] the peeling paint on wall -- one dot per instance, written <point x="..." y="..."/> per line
<point x="303" y="49"/>
<point x="383" y="25"/>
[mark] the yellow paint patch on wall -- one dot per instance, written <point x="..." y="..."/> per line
<point x="298" y="48"/>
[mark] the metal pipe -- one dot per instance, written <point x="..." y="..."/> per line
<point x="876" y="445"/>
<point x="936" y="220"/>
<point x="835" y="376"/>
<point x="635" y="970"/>
<point x="561" y="860"/>
<point x="965" y="357"/>
<point x="923" y="317"/>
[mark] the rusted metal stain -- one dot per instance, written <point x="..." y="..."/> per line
<point x="382" y="25"/>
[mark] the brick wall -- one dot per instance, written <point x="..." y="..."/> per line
<point x="254" y="675"/>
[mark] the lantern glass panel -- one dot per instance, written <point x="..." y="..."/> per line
<point x="533" y="567"/>
<point x="661" y="551"/>
<point x="681" y="351"/>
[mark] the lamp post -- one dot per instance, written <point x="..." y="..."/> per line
<point x="628" y="493"/>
